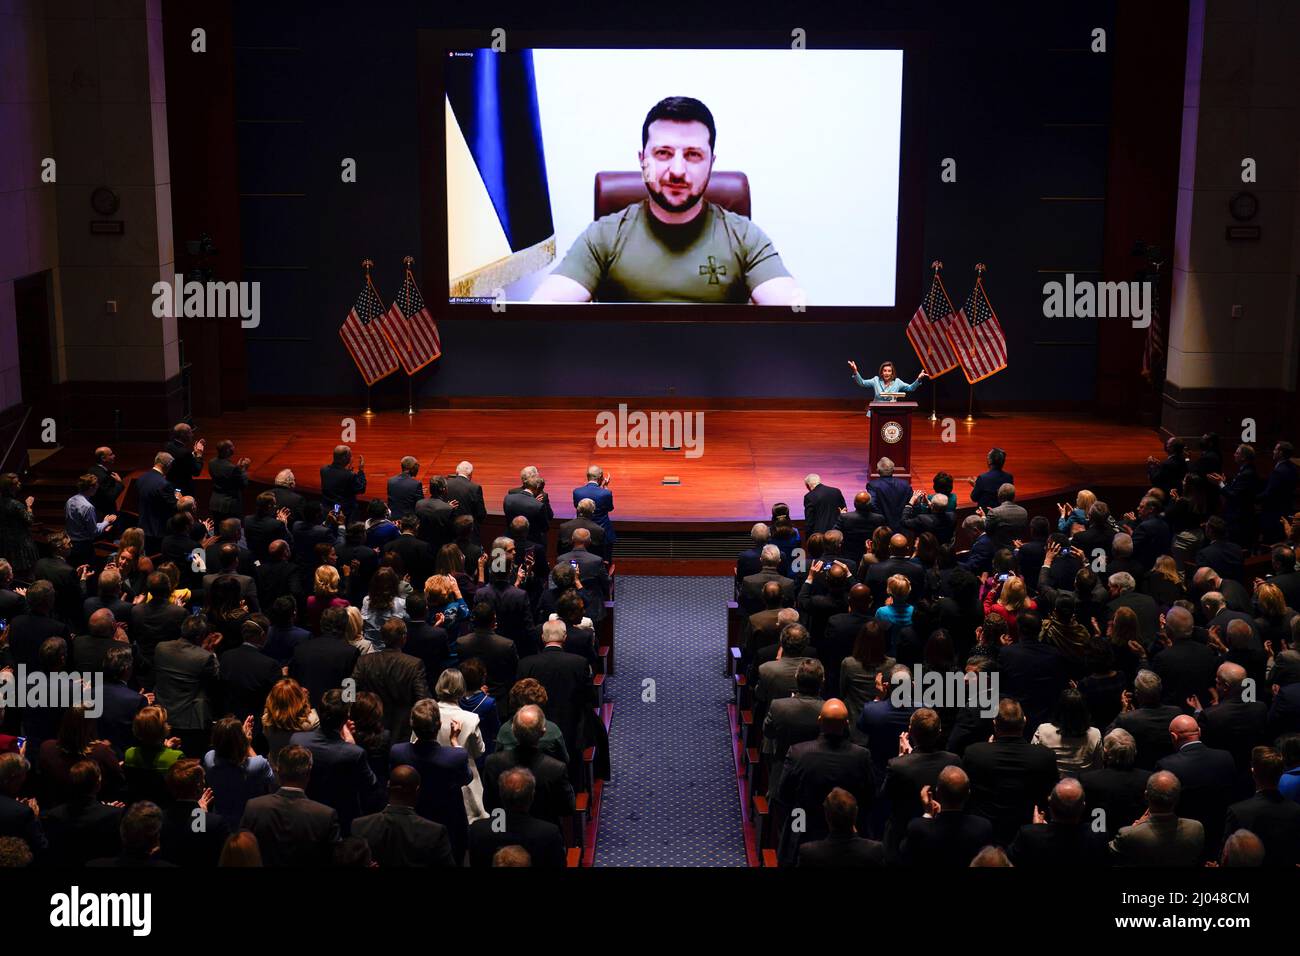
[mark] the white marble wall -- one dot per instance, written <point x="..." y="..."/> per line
<point x="108" y="118"/>
<point x="1241" y="99"/>
<point x="28" y="232"/>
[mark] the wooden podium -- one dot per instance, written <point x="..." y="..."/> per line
<point x="891" y="435"/>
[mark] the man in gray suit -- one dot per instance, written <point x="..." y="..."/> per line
<point x="751" y="587"/>
<point x="1007" y="521"/>
<point x="792" y="720"/>
<point x="185" y="677"/>
<point x="776" y="679"/>
<point x="1160" y="837"/>
<point x="291" y="828"/>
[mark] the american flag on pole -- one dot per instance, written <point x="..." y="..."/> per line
<point x="976" y="335"/>
<point x="361" y="334"/>
<point x="928" y="341"/>
<point x="410" y="328"/>
<point x="1155" y="341"/>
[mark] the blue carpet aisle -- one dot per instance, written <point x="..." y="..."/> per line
<point x="672" y="800"/>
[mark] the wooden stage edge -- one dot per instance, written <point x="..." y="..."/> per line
<point x="748" y="459"/>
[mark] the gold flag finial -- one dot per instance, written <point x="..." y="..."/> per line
<point x="936" y="265"/>
<point x="366" y="264"/>
<point x="407" y="260"/>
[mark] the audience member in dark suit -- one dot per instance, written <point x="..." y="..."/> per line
<point x="398" y="678"/>
<point x="436" y="514"/>
<point x="812" y="770"/>
<point x="1117" y="788"/>
<point x="266" y="524"/>
<point x="229" y="479"/>
<point x="583" y="519"/>
<point x="1123" y="593"/>
<point x="187" y="458"/>
<point x="467" y="495"/>
<point x="18" y="814"/>
<point x="567" y="679"/>
<point x="1035" y="671"/>
<point x="228" y="565"/>
<point x="842" y="847"/>
<point x="341" y="776"/>
<point x="876" y="576"/>
<point x="984" y="489"/>
<point x="279" y="577"/>
<point x="1226" y="557"/>
<point x="1147" y="719"/>
<point x="157" y="501"/>
<point x="185" y="675"/>
<point x="291" y="828"/>
<point x="1207" y="778"/>
<point x="109" y="484"/>
<point x="1064" y="838"/>
<point x="541" y="839"/>
<point x="339" y="484"/>
<point x="103" y="634"/>
<point x="182" y="841"/>
<point x="141" y="833"/>
<point x="792" y="720"/>
<point x="749" y="561"/>
<point x="1161" y="837"/>
<point x="29" y="631"/>
<point x="511" y="607"/>
<point x="1168" y="473"/>
<point x="596" y="490"/>
<point x="917" y="765"/>
<point x="1277" y="499"/>
<point x="417" y="557"/>
<point x="499" y="654"/>
<point x="69" y="595"/>
<point x="1007" y="521"/>
<point x="1009" y="776"/>
<point x="322" y="663"/>
<point x="532" y="503"/>
<point x="857" y="526"/>
<point x="286" y="498"/>
<point x="751" y="587"/>
<point x="1186" y="667"/>
<point x="821" y="505"/>
<point x="404" y="488"/>
<point x="248" y="673"/>
<point x="889" y="495"/>
<point x="443" y="771"/>
<point x="121" y="702"/>
<point x="553" y="796"/>
<point x="397" y="835"/>
<point x="947" y="835"/>
<point x="929" y="514"/>
<point x="1271" y="817"/>
<point x="1241" y="497"/>
<point x="1152" y="536"/>
<point x="1232" y="724"/>
<point x="84" y="828"/>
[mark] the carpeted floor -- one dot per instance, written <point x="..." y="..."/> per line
<point x="672" y="800"/>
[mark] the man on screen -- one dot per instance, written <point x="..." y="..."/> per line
<point x="673" y="246"/>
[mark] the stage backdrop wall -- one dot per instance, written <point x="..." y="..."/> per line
<point x="1012" y="92"/>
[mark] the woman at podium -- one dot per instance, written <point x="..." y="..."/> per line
<point x="886" y="380"/>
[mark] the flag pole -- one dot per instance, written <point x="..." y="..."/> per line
<point x="366" y="264"/>
<point x="970" y="399"/>
<point x="410" y="387"/>
<point x="934" y="403"/>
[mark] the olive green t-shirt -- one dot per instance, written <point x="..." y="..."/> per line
<point x="630" y="256"/>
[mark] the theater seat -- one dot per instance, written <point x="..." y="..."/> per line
<point x="618" y="189"/>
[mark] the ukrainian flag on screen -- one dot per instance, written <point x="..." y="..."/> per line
<point x="499" y="226"/>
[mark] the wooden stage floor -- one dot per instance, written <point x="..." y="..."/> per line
<point x="750" y="459"/>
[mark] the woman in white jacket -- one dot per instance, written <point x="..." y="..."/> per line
<point x="449" y="691"/>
